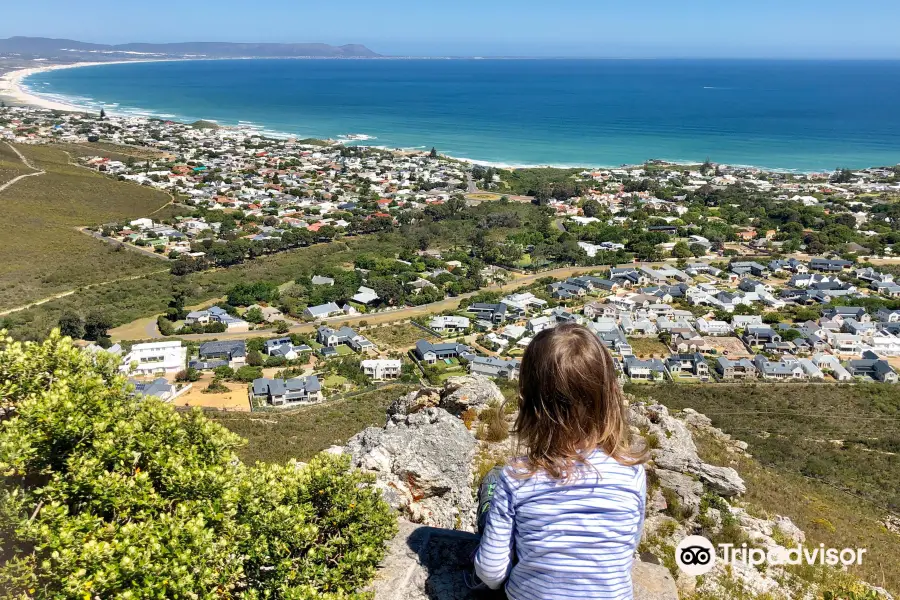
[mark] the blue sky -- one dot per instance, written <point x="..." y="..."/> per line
<point x="589" y="28"/>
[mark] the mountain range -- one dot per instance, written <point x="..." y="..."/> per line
<point x="62" y="48"/>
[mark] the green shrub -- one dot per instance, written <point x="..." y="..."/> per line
<point x="247" y="373"/>
<point x="103" y="495"/>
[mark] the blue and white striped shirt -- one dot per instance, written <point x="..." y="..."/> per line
<point x="558" y="540"/>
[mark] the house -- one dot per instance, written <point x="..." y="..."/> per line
<point x="430" y="353"/>
<point x="320" y="280"/>
<point x="218" y="354"/>
<point x="778" y="370"/>
<point x="730" y="370"/>
<point x="284" y="347"/>
<point x="829" y="265"/>
<point x="563" y="291"/>
<point x="694" y="364"/>
<point x="494" y="367"/>
<point x="648" y="370"/>
<point x="281" y="392"/>
<point x="871" y="366"/>
<point x="494" y="313"/>
<point x="713" y="327"/>
<point x="539" y="324"/>
<point x="365" y="295"/>
<point x="331" y="338"/>
<point x="155" y="357"/>
<point x="742" y="268"/>
<point x="160" y="388"/>
<point x="829" y="362"/>
<point x="322" y="311"/>
<point x="760" y="335"/>
<point x="888" y="316"/>
<point x="449" y="324"/>
<point x="217" y="314"/>
<point x="745" y="321"/>
<point x="381" y="369"/>
<point x="840" y="313"/>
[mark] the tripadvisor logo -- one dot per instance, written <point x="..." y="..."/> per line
<point x="696" y="555"/>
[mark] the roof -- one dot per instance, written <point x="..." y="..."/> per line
<point x="232" y="348"/>
<point x="323" y="309"/>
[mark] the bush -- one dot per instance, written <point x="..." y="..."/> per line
<point x="108" y="496"/>
<point x="189" y="374"/>
<point x="247" y="373"/>
<point x="223" y="372"/>
<point x="216" y="387"/>
<point x="165" y="326"/>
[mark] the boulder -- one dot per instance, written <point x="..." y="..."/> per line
<point x="652" y="582"/>
<point x="469" y="391"/>
<point x="688" y="489"/>
<point x="422" y="463"/>
<point x="724" y="481"/>
<point x="790" y="531"/>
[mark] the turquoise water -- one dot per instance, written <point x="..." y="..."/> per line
<point x="804" y="115"/>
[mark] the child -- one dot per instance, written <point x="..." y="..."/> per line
<point x="565" y="519"/>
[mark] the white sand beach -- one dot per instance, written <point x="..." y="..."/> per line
<point x="11" y="84"/>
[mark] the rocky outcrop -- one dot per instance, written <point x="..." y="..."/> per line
<point x="423" y="464"/>
<point x="458" y="395"/>
<point x="425" y="563"/>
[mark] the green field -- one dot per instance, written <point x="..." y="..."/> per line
<point x="280" y="436"/>
<point x="647" y="347"/>
<point x="41" y="251"/>
<point x="10" y="164"/>
<point x="824" y="455"/>
<point x="400" y="336"/>
<point x="844" y="435"/>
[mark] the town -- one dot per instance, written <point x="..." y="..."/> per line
<point x="687" y="274"/>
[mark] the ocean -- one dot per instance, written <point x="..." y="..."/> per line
<point x="796" y="115"/>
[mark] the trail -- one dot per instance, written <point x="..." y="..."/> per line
<point x="70" y="292"/>
<point x="27" y="163"/>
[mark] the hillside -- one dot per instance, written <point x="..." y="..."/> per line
<point x="62" y="48"/>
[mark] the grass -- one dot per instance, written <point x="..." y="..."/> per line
<point x="645" y="347"/>
<point x="300" y="434"/>
<point x="398" y="337"/>
<point x="843" y="435"/>
<point x="41" y="251"/>
<point x="334" y="381"/>
<point x="10" y="164"/>
<point x="343" y="350"/>
<point x="827" y="515"/>
<point x="125" y="301"/>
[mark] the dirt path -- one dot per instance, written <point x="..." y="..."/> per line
<point x="25" y="162"/>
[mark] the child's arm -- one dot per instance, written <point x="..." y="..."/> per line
<point x="494" y="558"/>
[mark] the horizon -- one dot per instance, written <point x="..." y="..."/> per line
<point x="795" y="30"/>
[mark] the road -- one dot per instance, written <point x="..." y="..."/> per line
<point x="146" y="327"/>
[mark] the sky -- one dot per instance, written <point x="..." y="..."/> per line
<point x="571" y="28"/>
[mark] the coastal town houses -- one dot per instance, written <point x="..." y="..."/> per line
<point x="494" y="367"/>
<point x="429" y="353"/>
<point x="381" y="369"/>
<point x="449" y="324"/>
<point x="332" y="338"/>
<point x="284" y="392"/>
<point x="216" y="314"/>
<point x="155" y="358"/>
<point x="285" y="347"/>
<point x="731" y="370"/>
<point x="221" y="354"/>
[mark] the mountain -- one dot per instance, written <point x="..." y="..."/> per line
<point x="61" y="48"/>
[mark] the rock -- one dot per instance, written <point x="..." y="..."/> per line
<point x="695" y="419"/>
<point x="892" y="524"/>
<point x="724" y="481"/>
<point x="652" y="582"/>
<point x="789" y="530"/>
<point x="469" y="391"/>
<point x="688" y="489"/>
<point x="422" y="463"/>
<point x="425" y="563"/>
<point x="415" y="401"/>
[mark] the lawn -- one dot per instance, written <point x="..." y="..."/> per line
<point x="301" y="433"/>
<point x="41" y="251"/>
<point x="334" y="381"/>
<point x="647" y="347"/>
<point x="398" y="337"/>
<point x="343" y="350"/>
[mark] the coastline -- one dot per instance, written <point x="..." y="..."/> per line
<point x="12" y="83"/>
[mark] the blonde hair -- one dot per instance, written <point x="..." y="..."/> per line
<point x="570" y="404"/>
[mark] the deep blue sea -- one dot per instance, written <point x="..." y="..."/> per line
<point x="803" y="115"/>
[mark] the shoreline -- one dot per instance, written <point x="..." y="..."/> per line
<point x="13" y="88"/>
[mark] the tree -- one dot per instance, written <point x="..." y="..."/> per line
<point x="681" y="250"/>
<point x="96" y="325"/>
<point x="697" y="250"/>
<point x="255" y="358"/>
<point x="254" y="315"/>
<point x="102" y="114"/>
<point x="248" y="373"/>
<point x="72" y="325"/>
<point x="93" y="479"/>
<point x="281" y="326"/>
<point x="433" y="153"/>
<point x="591" y="208"/>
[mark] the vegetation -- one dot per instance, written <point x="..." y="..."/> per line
<point x="279" y="436"/>
<point x="42" y="252"/>
<point x="843" y="435"/>
<point x="105" y="495"/>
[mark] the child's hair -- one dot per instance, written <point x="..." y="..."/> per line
<point x="570" y="404"/>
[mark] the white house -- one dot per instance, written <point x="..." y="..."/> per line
<point x="449" y="323"/>
<point x="713" y="327"/>
<point x="381" y="368"/>
<point x="155" y="357"/>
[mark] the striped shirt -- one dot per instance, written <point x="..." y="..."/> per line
<point x="560" y="540"/>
